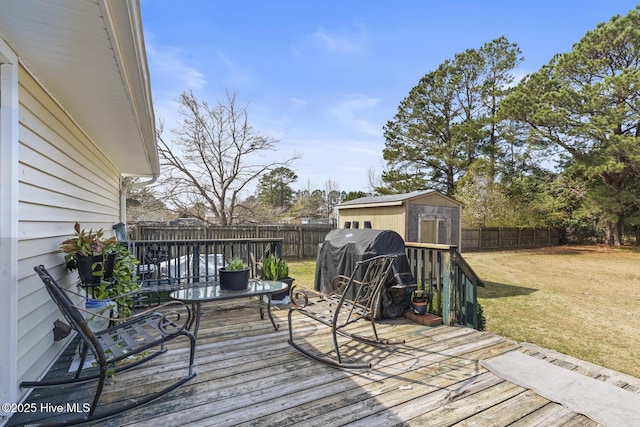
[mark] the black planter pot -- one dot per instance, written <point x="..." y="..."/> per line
<point x="88" y="265"/>
<point x="280" y="295"/>
<point x="234" y="280"/>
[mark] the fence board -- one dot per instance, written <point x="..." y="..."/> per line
<point x="301" y="241"/>
<point x="484" y="239"/>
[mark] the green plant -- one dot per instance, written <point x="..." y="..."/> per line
<point x="123" y="280"/>
<point x="274" y="268"/>
<point x="86" y="243"/>
<point x="420" y="294"/>
<point x="235" y="264"/>
<point x="482" y="320"/>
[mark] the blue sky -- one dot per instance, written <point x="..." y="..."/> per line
<point x="324" y="77"/>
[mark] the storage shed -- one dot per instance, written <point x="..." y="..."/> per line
<point x="421" y="216"/>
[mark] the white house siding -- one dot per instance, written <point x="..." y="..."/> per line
<point x="63" y="178"/>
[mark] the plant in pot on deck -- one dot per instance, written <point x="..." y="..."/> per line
<point x="419" y="299"/>
<point x="105" y="268"/>
<point x="275" y="268"/>
<point x="234" y="276"/>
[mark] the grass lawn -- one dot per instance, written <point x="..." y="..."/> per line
<point x="583" y="301"/>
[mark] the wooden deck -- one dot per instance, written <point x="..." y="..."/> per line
<point x="247" y="374"/>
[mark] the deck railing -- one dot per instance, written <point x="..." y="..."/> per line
<point x="452" y="282"/>
<point x="171" y="264"/>
<point x="298" y="241"/>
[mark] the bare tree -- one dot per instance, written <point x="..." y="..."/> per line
<point x="143" y="204"/>
<point x="331" y="197"/>
<point x="213" y="157"/>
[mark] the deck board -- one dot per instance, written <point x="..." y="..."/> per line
<point x="247" y="374"/>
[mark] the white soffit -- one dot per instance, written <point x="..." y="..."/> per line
<point x="89" y="55"/>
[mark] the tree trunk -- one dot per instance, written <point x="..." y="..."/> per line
<point x="613" y="233"/>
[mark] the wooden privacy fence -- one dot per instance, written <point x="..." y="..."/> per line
<point x="301" y="241"/>
<point x="486" y="239"/>
<point x="298" y="241"/>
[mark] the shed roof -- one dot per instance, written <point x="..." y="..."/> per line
<point x="90" y="56"/>
<point x="391" y="199"/>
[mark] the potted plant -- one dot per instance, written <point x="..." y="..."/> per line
<point x="105" y="266"/>
<point x="275" y="268"/>
<point x="235" y="275"/>
<point x="419" y="299"/>
<point x="91" y="254"/>
<point x="125" y="282"/>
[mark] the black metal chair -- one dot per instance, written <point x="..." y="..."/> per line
<point x="135" y="335"/>
<point x="354" y="298"/>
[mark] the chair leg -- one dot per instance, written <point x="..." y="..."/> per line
<point x="192" y="352"/>
<point x="94" y="415"/>
<point x="325" y="360"/>
<point x="99" y="387"/>
<point x="78" y="380"/>
<point x="375" y="331"/>
<point x="83" y="357"/>
<point x="335" y="344"/>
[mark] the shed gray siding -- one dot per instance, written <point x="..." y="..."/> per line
<point x="448" y="233"/>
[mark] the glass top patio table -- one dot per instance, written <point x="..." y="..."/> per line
<point x="210" y="291"/>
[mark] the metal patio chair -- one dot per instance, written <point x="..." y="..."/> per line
<point x="142" y="335"/>
<point x="354" y="298"/>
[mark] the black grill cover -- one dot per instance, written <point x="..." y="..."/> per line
<point x="343" y="248"/>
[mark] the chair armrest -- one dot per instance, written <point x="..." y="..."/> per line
<point x="299" y="296"/>
<point x="168" y="318"/>
<point x="338" y="283"/>
<point x="141" y="297"/>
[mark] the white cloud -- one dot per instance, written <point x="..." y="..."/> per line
<point x="236" y="75"/>
<point x="298" y="103"/>
<point x="338" y="41"/>
<point x="352" y="113"/>
<point x="167" y="64"/>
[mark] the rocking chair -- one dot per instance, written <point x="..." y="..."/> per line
<point x="135" y="335"/>
<point x="354" y="298"/>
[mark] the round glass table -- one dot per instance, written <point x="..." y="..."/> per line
<point x="201" y="292"/>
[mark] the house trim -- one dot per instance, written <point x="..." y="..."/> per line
<point x="8" y="223"/>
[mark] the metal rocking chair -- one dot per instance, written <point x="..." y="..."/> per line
<point x="135" y="335"/>
<point x="354" y="298"/>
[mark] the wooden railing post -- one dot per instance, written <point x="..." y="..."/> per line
<point x="454" y="281"/>
<point x="448" y="289"/>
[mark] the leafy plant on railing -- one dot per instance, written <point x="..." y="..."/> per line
<point x="435" y="300"/>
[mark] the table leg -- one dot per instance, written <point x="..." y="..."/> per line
<point x="195" y="316"/>
<point x="273" y="322"/>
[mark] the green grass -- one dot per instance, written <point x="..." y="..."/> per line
<point x="583" y="301"/>
<point x="303" y="272"/>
